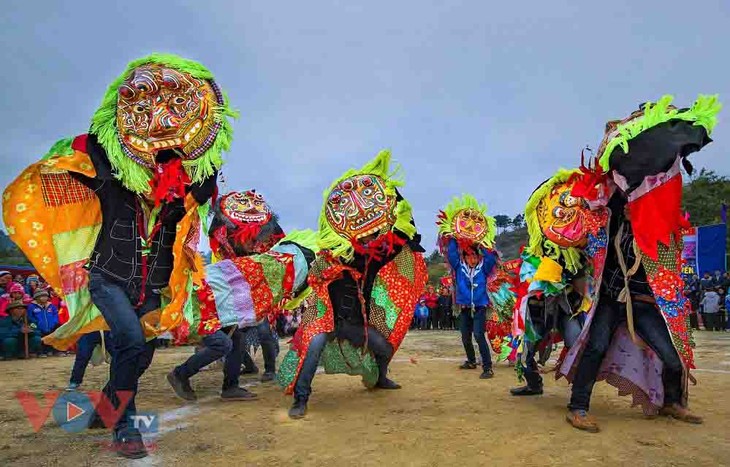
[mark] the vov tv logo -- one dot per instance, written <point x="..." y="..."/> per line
<point x="74" y="411"/>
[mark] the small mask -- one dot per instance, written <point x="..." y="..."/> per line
<point x="470" y="224"/>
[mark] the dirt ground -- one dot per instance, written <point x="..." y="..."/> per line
<point x="442" y="416"/>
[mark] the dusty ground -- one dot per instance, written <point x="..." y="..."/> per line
<point x="443" y="416"/>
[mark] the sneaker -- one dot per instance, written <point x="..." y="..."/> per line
<point x="181" y="387"/>
<point x="581" y="420"/>
<point x="526" y="391"/>
<point x="680" y="413"/>
<point x="467" y="365"/>
<point x="487" y="374"/>
<point x="42" y="355"/>
<point x="128" y="443"/>
<point x="298" y="409"/>
<point x="72" y="387"/>
<point x="237" y="393"/>
<point x="268" y="376"/>
<point x="387" y="384"/>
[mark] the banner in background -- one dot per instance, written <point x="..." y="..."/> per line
<point x="689" y="255"/>
<point x="711" y="248"/>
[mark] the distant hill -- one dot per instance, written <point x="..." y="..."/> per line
<point x="510" y="242"/>
<point x="10" y="253"/>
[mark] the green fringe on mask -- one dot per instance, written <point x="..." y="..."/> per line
<point x="104" y="125"/>
<point x="538" y="245"/>
<point x="340" y="246"/>
<point x="703" y="113"/>
<point x="304" y="237"/>
<point x="446" y="225"/>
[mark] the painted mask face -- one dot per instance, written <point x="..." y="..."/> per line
<point x="359" y="207"/>
<point x="246" y="207"/>
<point x="470" y="224"/>
<point x="161" y="108"/>
<point x="564" y="218"/>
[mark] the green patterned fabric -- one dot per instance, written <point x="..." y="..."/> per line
<point x="321" y="308"/>
<point x="288" y="369"/>
<point x="380" y="298"/>
<point x="341" y="357"/>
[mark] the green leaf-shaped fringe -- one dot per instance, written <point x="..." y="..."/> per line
<point x="134" y="176"/>
<point x="61" y="147"/>
<point x="304" y="237"/>
<point x="703" y="113"/>
<point x="340" y="246"/>
<point x="446" y="225"/>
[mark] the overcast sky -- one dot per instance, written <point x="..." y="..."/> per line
<point x="476" y="96"/>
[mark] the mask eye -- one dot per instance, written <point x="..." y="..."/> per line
<point x="559" y="212"/>
<point x="178" y="100"/>
<point x="367" y="192"/>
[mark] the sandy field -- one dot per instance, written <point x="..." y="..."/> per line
<point x="442" y="416"/>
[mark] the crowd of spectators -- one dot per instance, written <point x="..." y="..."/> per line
<point x="710" y="301"/>
<point x="29" y="311"/>
<point x="435" y="310"/>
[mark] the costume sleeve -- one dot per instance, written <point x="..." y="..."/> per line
<point x="452" y="253"/>
<point x="204" y="191"/>
<point x="490" y="260"/>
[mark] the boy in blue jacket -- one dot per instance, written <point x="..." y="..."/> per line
<point x="471" y="268"/>
<point x="45" y="315"/>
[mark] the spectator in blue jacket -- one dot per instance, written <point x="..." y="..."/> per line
<point x="44" y="314"/>
<point x="472" y="268"/>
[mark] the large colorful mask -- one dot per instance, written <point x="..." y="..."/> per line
<point x="362" y="206"/>
<point x="466" y="220"/>
<point x="563" y="218"/>
<point x="162" y="108"/>
<point x="160" y="103"/>
<point x="558" y="221"/>
<point x="359" y="207"/>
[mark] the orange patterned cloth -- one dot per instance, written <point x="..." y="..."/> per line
<point x="55" y="220"/>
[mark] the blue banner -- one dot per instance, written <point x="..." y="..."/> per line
<point x="711" y="250"/>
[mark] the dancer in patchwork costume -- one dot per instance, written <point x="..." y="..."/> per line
<point x="559" y="270"/>
<point x="118" y="226"/>
<point x="365" y="282"/>
<point x="637" y="335"/>
<point x="241" y="291"/>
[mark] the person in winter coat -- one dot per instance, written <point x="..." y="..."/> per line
<point x="45" y="315"/>
<point x="12" y="329"/>
<point x="471" y="268"/>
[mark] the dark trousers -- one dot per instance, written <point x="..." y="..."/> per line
<point x="215" y="346"/>
<point x="712" y="321"/>
<point x="84" y="350"/>
<point x="377" y="344"/>
<point x="652" y="328"/>
<point x="437" y="318"/>
<point x="132" y="354"/>
<point x="475" y="324"/>
<point x="445" y="313"/>
<point x="568" y="327"/>
<point x="268" y="346"/>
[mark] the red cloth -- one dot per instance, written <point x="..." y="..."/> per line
<point x="431" y="299"/>
<point x="657" y="215"/>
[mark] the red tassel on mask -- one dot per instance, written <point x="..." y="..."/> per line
<point x="169" y="182"/>
<point x="586" y="185"/>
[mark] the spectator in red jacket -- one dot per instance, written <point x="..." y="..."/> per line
<point x="432" y="302"/>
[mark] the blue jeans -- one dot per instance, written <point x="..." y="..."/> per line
<point x="132" y="354"/>
<point x="84" y="350"/>
<point x="215" y="346"/>
<point x="268" y="346"/>
<point x="652" y="328"/>
<point x="377" y="344"/>
<point x="475" y="324"/>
